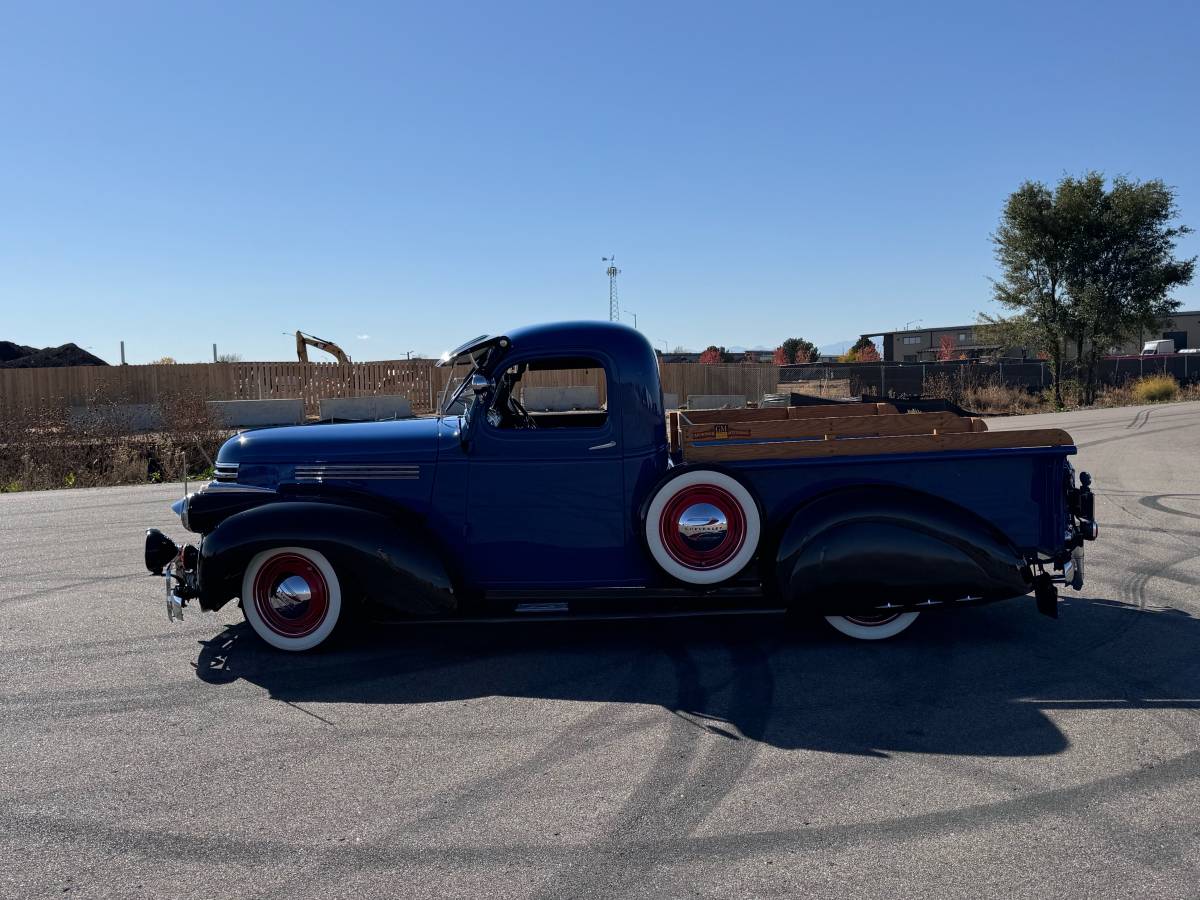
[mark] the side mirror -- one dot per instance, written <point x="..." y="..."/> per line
<point x="480" y="384"/>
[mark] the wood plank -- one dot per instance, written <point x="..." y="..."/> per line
<point x="848" y="426"/>
<point x="875" y="446"/>
<point x="706" y="416"/>
<point x="842" y="410"/>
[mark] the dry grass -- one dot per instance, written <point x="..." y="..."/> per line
<point x="1150" y="389"/>
<point x="988" y="395"/>
<point x="98" y="445"/>
<point x="983" y="394"/>
<point x="1156" y="388"/>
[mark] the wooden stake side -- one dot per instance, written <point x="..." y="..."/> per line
<point x="784" y="413"/>
<point x="875" y="446"/>
<point x="850" y="426"/>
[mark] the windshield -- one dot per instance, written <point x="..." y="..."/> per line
<point x="455" y="400"/>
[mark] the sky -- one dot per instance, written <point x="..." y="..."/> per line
<point x="400" y="177"/>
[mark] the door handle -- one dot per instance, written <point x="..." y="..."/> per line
<point x="604" y="446"/>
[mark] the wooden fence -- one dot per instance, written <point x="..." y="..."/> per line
<point x="417" y="380"/>
<point x="79" y="385"/>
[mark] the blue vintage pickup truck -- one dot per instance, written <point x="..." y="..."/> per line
<point x="513" y="502"/>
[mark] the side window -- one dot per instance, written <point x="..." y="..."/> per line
<point x="555" y="392"/>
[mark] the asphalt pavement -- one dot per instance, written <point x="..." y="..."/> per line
<point x="986" y="752"/>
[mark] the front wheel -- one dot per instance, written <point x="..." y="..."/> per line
<point x="873" y="628"/>
<point x="292" y="597"/>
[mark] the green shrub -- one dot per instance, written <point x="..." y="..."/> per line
<point x="1155" y="388"/>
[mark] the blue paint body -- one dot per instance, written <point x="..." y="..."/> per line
<point x="559" y="507"/>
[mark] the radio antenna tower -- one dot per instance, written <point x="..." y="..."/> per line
<point x="614" y="307"/>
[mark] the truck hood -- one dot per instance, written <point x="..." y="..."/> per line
<point x="406" y="440"/>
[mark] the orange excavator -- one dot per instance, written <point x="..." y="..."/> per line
<point x="304" y="341"/>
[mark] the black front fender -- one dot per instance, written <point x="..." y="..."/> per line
<point x="857" y="548"/>
<point x="390" y="563"/>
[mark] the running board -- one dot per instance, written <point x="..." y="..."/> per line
<point x="541" y="608"/>
<point x="589" y="616"/>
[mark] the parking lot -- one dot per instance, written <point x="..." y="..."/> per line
<point x="990" y="750"/>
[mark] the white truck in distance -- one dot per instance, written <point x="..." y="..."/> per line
<point x="1156" y="348"/>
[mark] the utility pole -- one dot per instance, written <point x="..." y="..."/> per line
<point x="614" y="307"/>
<point x="632" y="313"/>
<point x="214" y="352"/>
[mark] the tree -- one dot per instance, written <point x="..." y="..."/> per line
<point x="1007" y="333"/>
<point x="163" y="361"/>
<point x="1033" y="247"/>
<point x="945" y="348"/>
<point x="1087" y="267"/>
<point x="864" y="350"/>
<point x="797" y="350"/>
<point x="781" y="357"/>
<point x="229" y="358"/>
<point x="1126" y="269"/>
<point x="714" y="355"/>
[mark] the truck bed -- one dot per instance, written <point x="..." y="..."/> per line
<point x="853" y="429"/>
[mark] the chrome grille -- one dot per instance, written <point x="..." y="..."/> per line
<point x="315" y="474"/>
<point x="225" y="472"/>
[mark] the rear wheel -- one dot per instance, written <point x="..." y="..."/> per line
<point x="292" y="597"/>
<point x="873" y="627"/>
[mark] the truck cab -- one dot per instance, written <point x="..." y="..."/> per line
<point x="551" y="483"/>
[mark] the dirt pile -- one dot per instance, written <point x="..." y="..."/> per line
<point x="18" y="356"/>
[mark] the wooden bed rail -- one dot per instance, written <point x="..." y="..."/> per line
<point x="843" y="430"/>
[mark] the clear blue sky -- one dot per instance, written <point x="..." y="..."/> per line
<point x="177" y="174"/>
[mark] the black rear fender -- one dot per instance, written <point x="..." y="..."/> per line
<point x="388" y="563"/>
<point x="857" y="548"/>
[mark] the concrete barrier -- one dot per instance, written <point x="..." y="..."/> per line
<point x="126" y="416"/>
<point x="716" y="401"/>
<point x="561" y="399"/>
<point x="255" y="413"/>
<point x="366" y="409"/>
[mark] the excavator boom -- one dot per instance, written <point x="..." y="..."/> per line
<point x="304" y="341"/>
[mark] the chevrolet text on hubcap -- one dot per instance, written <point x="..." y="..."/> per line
<point x="702" y="527"/>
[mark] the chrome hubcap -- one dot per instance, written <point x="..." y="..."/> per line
<point x="702" y="526"/>
<point x="290" y="597"/>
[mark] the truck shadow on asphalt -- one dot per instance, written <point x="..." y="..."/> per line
<point x="985" y="681"/>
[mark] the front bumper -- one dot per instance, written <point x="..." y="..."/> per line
<point x="177" y="566"/>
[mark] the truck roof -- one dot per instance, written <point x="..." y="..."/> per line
<point x="616" y="340"/>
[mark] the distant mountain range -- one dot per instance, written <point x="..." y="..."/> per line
<point x="837" y="348"/>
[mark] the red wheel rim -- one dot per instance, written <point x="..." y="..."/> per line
<point x="713" y="557"/>
<point x="872" y="621"/>
<point x="277" y="606"/>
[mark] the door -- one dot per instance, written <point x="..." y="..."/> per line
<point x="545" y="503"/>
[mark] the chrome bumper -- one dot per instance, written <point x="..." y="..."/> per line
<point x="174" y="601"/>
<point x="1072" y="571"/>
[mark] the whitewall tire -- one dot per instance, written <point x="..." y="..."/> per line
<point x="702" y="527"/>
<point x="872" y="628"/>
<point x="291" y="597"/>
